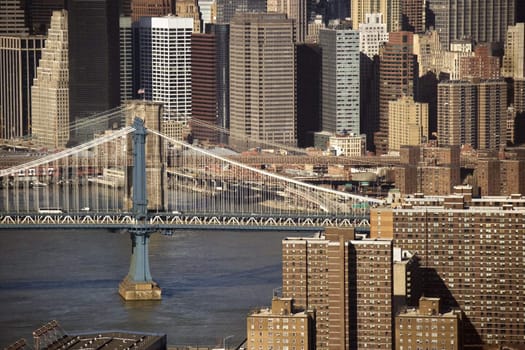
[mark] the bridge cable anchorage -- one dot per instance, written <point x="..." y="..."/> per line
<point x="268" y="174"/>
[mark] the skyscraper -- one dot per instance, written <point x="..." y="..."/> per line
<point x="340" y="80"/>
<point x="372" y="34"/>
<point x="226" y="9"/>
<point x="165" y="64"/>
<point x="222" y="45"/>
<point x="308" y="93"/>
<point x="151" y="8"/>
<point x="39" y="14"/>
<point x="204" y="86"/>
<point x="295" y="9"/>
<point x="361" y="7"/>
<point x="262" y="77"/>
<point x="93" y="60"/>
<point x="391" y="10"/>
<point x="396" y="79"/>
<point x="12" y="17"/>
<point x="126" y="59"/>
<point x="462" y="19"/>
<point x="50" y="91"/>
<point x="19" y="55"/>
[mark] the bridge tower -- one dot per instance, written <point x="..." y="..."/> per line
<point x="138" y="284"/>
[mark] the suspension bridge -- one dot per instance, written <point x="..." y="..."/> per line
<point x="144" y="181"/>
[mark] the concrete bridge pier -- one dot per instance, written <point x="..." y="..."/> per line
<point x="138" y="284"/>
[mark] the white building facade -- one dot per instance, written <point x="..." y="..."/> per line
<point x="165" y="64"/>
<point x="50" y="91"/>
<point x="372" y="34"/>
<point x="348" y="145"/>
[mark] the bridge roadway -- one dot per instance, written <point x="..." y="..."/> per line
<point x="170" y="221"/>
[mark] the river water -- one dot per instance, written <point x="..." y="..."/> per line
<point x="210" y="281"/>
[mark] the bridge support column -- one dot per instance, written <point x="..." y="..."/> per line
<point x="138" y="284"/>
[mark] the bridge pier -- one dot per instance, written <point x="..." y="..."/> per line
<point x="138" y="284"/>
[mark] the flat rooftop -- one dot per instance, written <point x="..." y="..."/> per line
<point x="110" y="340"/>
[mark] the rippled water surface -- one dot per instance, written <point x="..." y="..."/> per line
<point x="210" y="281"/>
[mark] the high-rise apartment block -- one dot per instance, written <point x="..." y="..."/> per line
<point x="457" y="113"/>
<point x="492" y="114"/>
<point x="50" y="90"/>
<point x="514" y="59"/>
<point x="19" y="55"/>
<point x="407" y="123"/>
<point x="428" y="170"/>
<point x="413" y="15"/>
<point x="347" y="283"/>
<point x="294" y="9"/>
<point x="12" y="18"/>
<point x="151" y="8"/>
<point x="190" y="9"/>
<point x="472" y="113"/>
<point x="262" y="77"/>
<point x="340" y="80"/>
<point x="204" y="86"/>
<point x="472" y="256"/>
<point x="279" y="327"/>
<point x="461" y="19"/>
<point x="165" y="64"/>
<point x="426" y="327"/>
<point x="396" y="79"/>
<point x="498" y="176"/>
<point x="407" y="283"/>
